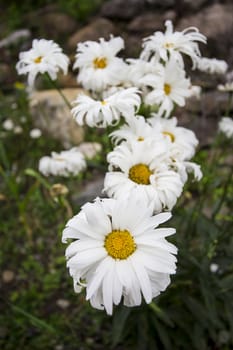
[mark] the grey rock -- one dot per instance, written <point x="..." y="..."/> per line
<point x="189" y="5"/>
<point x="161" y="3"/>
<point x="212" y="21"/>
<point x="58" y="24"/>
<point x="122" y="9"/>
<point x="90" y="191"/>
<point x="52" y="116"/>
<point x="150" y="22"/>
<point x="202" y="115"/>
<point x="216" y="22"/>
<point x="98" y="28"/>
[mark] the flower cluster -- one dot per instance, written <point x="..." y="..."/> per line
<point x="119" y="252"/>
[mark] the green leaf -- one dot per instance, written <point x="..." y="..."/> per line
<point x="119" y="320"/>
<point x="163" y="334"/>
<point x="33" y="173"/>
<point x="161" y="314"/>
<point x="37" y="322"/>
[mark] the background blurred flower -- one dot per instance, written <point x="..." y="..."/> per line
<point x="65" y="163"/>
<point x="35" y="133"/>
<point x="225" y="125"/>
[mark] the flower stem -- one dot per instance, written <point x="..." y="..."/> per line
<point x="59" y="90"/>
<point x="225" y="191"/>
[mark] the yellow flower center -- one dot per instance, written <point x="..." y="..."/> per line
<point x="103" y="102"/>
<point x="140" y="138"/>
<point x="167" y="133"/>
<point x="167" y="88"/>
<point x="119" y="244"/>
<point x="100" y="63"/>
<point x="168" y="45"/>
<point x="38" y="59"/>
<point x="140" y="173"/>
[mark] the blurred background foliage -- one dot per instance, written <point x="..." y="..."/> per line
<point x="16" y="15"/>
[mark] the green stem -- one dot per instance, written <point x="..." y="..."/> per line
<point x="225" y="190"/>
<point x="59" y="91"/>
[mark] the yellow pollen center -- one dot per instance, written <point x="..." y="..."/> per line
<point x="167" y="133"/>
<point x="140" y="138"/>
<point x="167" y="89"/>
<point x="100" y="63"/>
<point x="38" y="59"/>
<point x="140" y="173"/>
<point x="168" y="45"/>
<point x="103" y="103"/>
<point x="119" y="244"/>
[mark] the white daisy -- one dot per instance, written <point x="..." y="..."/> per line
<point x="173" y="44"/>
<point x="108" y="111"/>
<point x="98" y="65"/>
<point x="227" y="87"/>
<point x="65" y="163"/>
<point x="212" y="65"/>
<point x="45" y="56"/>
<point x="119" y="252"/>
<point x="35" y="133"/>
<point x="184" y="168"/>
<point x="168" y="89"/>
<point x="226" y="126"/>
<point x="143" y="167"/>
<point x="8" y="124"/>
<point x="138" y="68"/>
<point x="195" y="91"/>
<point x="136" y="129"/>
<point x="214" y="267"/>
<point x="183" y="141"/>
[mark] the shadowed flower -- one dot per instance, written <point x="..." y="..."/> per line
<point x="108" y="111"/>
<point x="143" y="167"/>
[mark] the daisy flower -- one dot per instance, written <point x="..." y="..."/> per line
<point x="45" y="56"/>
<point x="227" y="87"/>
<point x="65" y="163"/>
<point x="212" y="65"/>
<point x="119" y="252"/>
<point x="135" y="129"/>
<point x="183" y="142"/>
<point x="108" y="111"/>
<point x="226" y="126"/>
<point x="173" y="44"/>
<point x="168" y="89"/>
<point x="35" y="133"/>
<point x="138" y="68"/>
<point x="195" y="91"/>
<point x="98" y="65"/>
<point x="8" y="124"/>
<point x="143" y="167"/>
